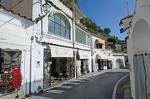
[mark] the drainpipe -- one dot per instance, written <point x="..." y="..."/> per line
<point x="73" y="35"/>
<point x="38" y="41"/>
<point x="41" y="21"/>
<point x="92" y="53"/>
<point x="30" y="73"/>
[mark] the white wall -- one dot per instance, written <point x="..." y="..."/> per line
<point x="115" y="58"/>
<point x="14" y="34"/>
<point x="139" y="35"/>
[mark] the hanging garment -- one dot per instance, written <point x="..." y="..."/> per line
<point x="147" y="69"/>
<point x="16" y="77"/>
<point x="141" y="66"/>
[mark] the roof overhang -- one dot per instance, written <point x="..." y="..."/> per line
<point x="3" y="9"/>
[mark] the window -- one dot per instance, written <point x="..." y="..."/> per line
<point x="59" y="25"/>
<point x="98" y="45"/>
<point x="88" y="40"/>
<point x="80" y="36"/>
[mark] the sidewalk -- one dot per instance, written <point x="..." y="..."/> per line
<point x="83" y="77"/>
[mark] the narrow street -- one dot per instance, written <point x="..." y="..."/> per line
<point x="98" y="87"/>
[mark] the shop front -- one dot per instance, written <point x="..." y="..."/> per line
<point x="14" y="42"/>
<point x="10" y="71"/>
<point x="58" y="65"/>
<point x="104" y="64"/>
<point x="85" y="61"/>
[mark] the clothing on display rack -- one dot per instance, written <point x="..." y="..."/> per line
<point x="16" y="77"/>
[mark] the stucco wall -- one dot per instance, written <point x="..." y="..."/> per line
<point x="142" y="12"/>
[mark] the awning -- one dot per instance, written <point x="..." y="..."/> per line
<point x="12" y="46"/>
<point x="104" y="57"/>
<point x="57" y="51"/>
<point x="14" y="38"/>
<point x="84" y="54"/>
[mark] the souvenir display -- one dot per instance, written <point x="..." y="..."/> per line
<point x="10" y="73"/>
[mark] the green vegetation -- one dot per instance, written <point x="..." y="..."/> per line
<point x="107" y="31"/>
<point x="114" y="40"/>
<point x="91" y="26"/>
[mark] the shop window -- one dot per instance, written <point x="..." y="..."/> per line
<point x="61" y="69"/>
<point x="98" y="45"/>
<point x="59" y="25"/>
<point x="80" y="36"/>
<point x="10" y="73"/>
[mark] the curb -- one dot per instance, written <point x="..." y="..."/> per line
<point x="116" y="86"/>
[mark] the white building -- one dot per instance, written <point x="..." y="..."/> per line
<point x="15" y="43"/>
<point x="47" y="47"/>
<point x="45" y="41"/>
<point x="138" y="49"/>
<point x="103" y="58"/>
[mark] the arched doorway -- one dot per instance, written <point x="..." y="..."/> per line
<point x="119" y="63"/>
<point x="141" y="36"/>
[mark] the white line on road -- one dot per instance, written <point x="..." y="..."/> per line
<point x="37" y="97"/>
<point x="73" y="83"/>
<point x="66" y="87"/>
<point x="116" y="86"/>
<point x="55" y="91"/>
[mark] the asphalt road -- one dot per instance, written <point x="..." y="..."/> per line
<point x="98" y="87"/>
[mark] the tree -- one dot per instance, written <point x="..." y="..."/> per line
<point x="112" y="39"/>
<point x="107" y="31"/>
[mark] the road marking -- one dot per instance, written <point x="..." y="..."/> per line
<point x="37" y="97"/>
<point x="66" y="87"/>
<point x="73" y="83"/>
<point x="80" y="81"/>
<point x="116" y="86"/>
<point x="55" y="91"/>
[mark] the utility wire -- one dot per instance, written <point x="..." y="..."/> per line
<point x="11" y="9"/>
<point x="127" y="5"/>
<point x="6" y="22"/>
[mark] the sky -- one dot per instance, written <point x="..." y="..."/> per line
<point x="108" y="13"/>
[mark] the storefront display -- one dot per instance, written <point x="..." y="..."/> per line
<point x="104" y="64"/>
<point x="58" y="65"/>
<point x="16" y="77"/>
<point x="10" y="73"/>
<point x="84" y="66"/>
<point x="61" y="69"/>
